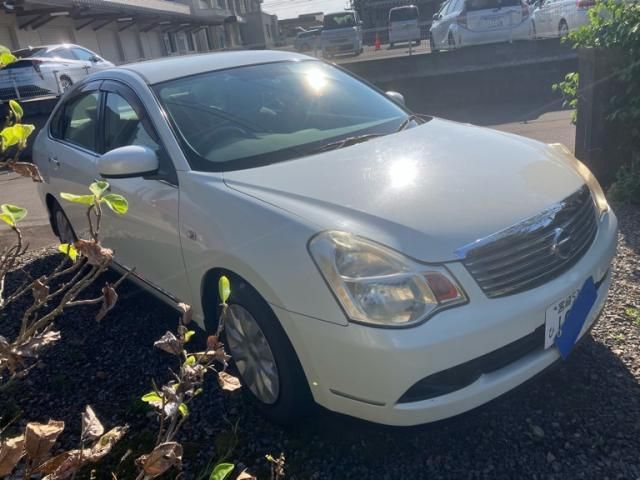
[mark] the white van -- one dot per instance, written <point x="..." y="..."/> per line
<point x="341" y="33"/>
<point x="403" y="25"/>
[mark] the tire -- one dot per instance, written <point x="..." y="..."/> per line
<point x="432" y="45"/>
<point x="534" y="33"/>
<point x="65" y="83"/>
<point x="451" y="41"/>
<point x="288" y="399"/>
<point x="61" y="225"/>
<point x="563" y="28"/>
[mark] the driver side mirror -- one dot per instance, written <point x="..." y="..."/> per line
<point x="396" y="97"/>
<point x="436" y="16"/>
<point x="128" y="162"/>
<point x="95" y="59"/>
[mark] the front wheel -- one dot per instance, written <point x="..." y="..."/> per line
<point x="264" y="357"/>
<point x="432" y="45"/>
<point x="563" y="29"/>
<point x="451" y="42"/>
<point x="61" y="224"/>
<point x="65" y="83"/>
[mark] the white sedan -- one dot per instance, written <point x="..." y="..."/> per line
<point x="461" y="23"/>
<point x="48" y="70"/>
<point x="397" y="268"/>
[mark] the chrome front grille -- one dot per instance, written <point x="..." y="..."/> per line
<point x="534" y="251"/>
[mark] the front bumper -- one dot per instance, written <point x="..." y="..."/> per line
<point x="363" y="371"/>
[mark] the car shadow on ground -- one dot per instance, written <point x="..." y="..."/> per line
<point x="579" y="420"/>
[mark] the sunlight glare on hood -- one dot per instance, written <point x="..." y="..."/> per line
<point x="402" y="173"/>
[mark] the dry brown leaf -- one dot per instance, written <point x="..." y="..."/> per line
<point x="11" y="451"/>
<point x="40" y="438"/>
<point x="54" y="463"/>
<point x="212" y="342"/>
<point x="228" y="382"/>
<point x="26" y="170"/>
<point x="169" y="343"/>
<point x="109" y="299"/>
<point x="91" y="426"/>
<point x="163" y="457"/>
<point x="95" y="253"/>
<point x="244" y="475"/>
<point x="187" y="313"/>
<point x="106" y="442"/>
<point x="221" y="356"/>
<point x="31" y="347"/>
<point x="40" y="291"/>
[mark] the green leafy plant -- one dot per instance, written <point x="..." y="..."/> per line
<point x="634" y="314"/>
<point x="626" y="188"/>
<point x="614" y="25"/>
<point x="52" y="293"/>
<point x="569" y="90"/>
<point x="171" y="401"/>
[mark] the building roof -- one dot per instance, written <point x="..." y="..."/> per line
<point x="164" y="69"/>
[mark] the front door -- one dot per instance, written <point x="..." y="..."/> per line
<point x="147" y="237"/>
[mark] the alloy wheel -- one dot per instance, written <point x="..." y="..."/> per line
<point x="252" y="354"/>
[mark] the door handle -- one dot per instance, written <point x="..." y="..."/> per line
<point x="55" y="162"/>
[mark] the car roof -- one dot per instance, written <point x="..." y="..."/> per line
<point x="170" y="68"/>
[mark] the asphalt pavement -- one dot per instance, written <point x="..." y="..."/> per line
<point x="549" y="127"/>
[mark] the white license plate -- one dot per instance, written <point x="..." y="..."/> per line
<point x="494" y="22"/>
<point x="555" y="315"/>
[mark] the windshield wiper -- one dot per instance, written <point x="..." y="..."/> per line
<point x="345" y="142"/>
<point x="411" y="118"/>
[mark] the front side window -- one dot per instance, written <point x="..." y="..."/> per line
<point x="267" y="113"/>
<point x="64" y="53"/>
<point x="123" y="127"/>
<point x="82" y="54"/>
<point x="77" y="123"/>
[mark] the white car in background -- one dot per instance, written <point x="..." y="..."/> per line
<point x="386" y="265"/>
<point x="460" y="23"/>
<point x="556" y="18"/>
<point x="403" y="25"/>
<point x="48" y="70"/>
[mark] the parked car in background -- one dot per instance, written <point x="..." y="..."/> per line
<point x="372" y="270"/>
<point x="308" y="40"/>
<point x="341" y="33"/>
<point x="48" y="70"/>
<point x="461" y="23"/>
<point x="556" y="18"/>
<point x="403" y="25"/>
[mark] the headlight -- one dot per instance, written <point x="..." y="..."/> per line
<point x="591" y="181"/>
<point x="377" y="285"/>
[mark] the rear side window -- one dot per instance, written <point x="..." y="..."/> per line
<point x="475" y="5"/>
<point x="403" y="14"/>
<point x="76" y="122"/>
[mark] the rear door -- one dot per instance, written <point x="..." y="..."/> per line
<point x="147" y="237"/>
<point x="72" y="149"/>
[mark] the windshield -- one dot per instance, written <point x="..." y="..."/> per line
<point x="259" y="114"/>
<point x="403" y="14"/>
<point x="339" y="20"/>
<point x="30" y="52"/>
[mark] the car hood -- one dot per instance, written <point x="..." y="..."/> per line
<point x="426" y="191"/>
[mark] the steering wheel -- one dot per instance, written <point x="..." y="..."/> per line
<point x="209" y="139"/>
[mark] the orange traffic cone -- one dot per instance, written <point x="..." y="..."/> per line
<point x="377" y="42"/>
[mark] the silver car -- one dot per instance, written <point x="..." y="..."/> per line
<point x="48" y="70"/>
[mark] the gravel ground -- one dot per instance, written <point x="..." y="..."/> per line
<point x="581" y="420"/>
